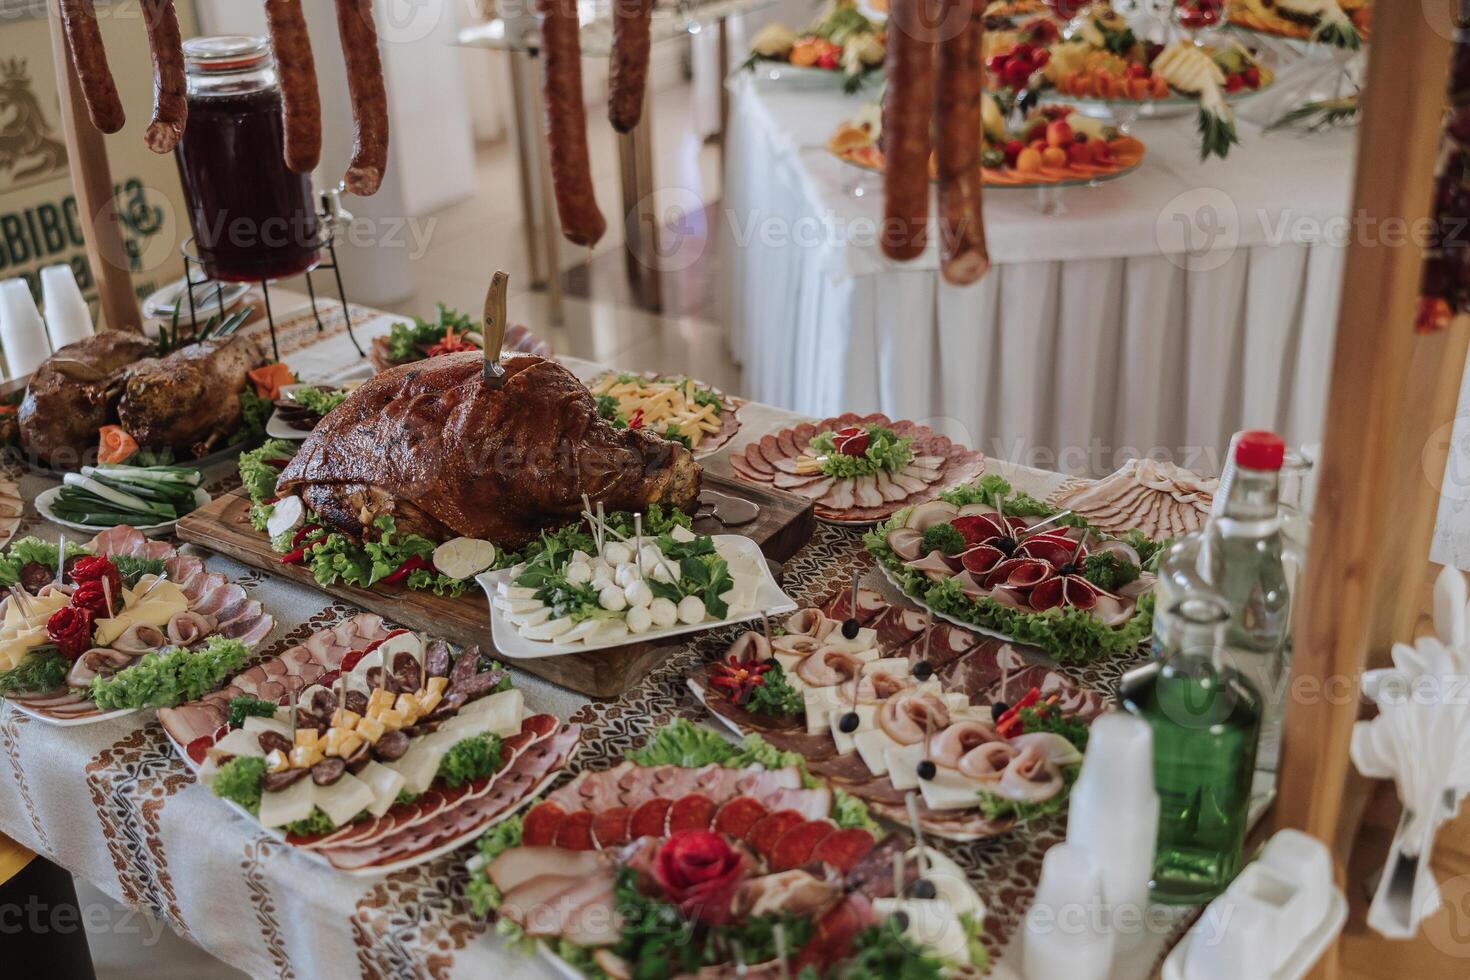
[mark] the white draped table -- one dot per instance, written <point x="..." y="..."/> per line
<point x="1161" y="311"/>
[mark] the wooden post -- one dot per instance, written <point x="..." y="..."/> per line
<point x="91" y="179"/>
<point x="1389" y="387"/>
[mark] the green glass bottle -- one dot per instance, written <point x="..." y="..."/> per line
<point x="1206" y="719"/>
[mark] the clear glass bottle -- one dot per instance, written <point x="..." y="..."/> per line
<point x="1206" y="720"/>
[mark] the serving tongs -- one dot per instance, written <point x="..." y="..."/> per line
<point x="494" y="330"/>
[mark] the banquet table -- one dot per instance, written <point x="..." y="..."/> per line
<point x="1160" y="311"/>
<point x="113" y="803"/>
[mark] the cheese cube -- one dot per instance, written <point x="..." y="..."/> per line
<point x="334" y="741"/>
<point x="370" y="729"/>
<point x="867" y="717"/>
<point x="903" y="764"/>
<point x="306" y="738"/>
<point x="306" y="756"/>
<point x="428" y="702"/>
<point x="820" y="703"/>
<point x="408" y="706"/>
<point x="437" y="685"/>
<point x="277" y="761"/>
<point x="344" y="719"/>
<point x="351" y="742"/>
<point x="379" y="700"/>
<point x="392" y="720"/>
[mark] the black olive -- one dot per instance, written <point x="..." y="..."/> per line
<point x="923" y="670"/>
<point x="848" y="723"/>
<point x="921" y="888"/>
<point x="1006" y="546"/>
<point x="901" y="919"/>
<point x="850" y="628"/>
<point x="997" y="709"/>
<point x="771" y="662"/>
<point x="926" y="769"/>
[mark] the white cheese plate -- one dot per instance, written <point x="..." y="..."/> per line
<point x="509" y="642"/>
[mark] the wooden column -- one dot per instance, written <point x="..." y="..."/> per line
<point x="1390" y="389"/>
<point x="91" y="179"/>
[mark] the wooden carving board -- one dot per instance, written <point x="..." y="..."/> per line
<point x="785" y="524"/>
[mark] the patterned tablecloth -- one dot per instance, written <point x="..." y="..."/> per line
<point x="113" y="803"/>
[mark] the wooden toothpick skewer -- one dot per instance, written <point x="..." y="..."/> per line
<point x="638" y="543"/>
<point x="60" y="559"/>
<point x="781" y="951"/>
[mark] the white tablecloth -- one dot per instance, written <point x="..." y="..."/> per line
<point x="1164" y="310"/>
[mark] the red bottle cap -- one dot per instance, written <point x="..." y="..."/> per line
<point x="1260" y="450"/>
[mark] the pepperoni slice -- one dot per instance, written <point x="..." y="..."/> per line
<point x="691" y="812"/>
<point x="540" y="825"/>
<point x="575" y="832"/>
<point x="843" y="849"/>
<point x="768" y="830"/>
<point x="610" y="827"/>
<point x="738" y="815"/>
<point x="648" y="819"/>
<point x="794" y="848"/>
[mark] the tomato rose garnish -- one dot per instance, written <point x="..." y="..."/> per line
<point x="92" y="597"/>
<point x="71" y="630"/>
<point x="94" y="568"/>
<point x="699" y="872"/>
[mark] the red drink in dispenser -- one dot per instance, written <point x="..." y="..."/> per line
<point x="252" y="217"/>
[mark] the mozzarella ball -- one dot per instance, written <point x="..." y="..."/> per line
<point x="661" y="573"/>
<point x="664" y="612"/>
<point x="627" y="575"/>
<point x="691" y="610"/>
<point x="617" y="553"/>
<point x="602" y="582"/>
<point x="639" y="619"/>
<point x="637" y="593"/>
<point x="578" y="572"/>
<point x="580" y="555"/>
<point x="611" y="598"/>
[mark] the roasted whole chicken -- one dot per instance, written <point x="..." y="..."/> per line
<point x="187" y="401"/>
<point x="442" y="454"/>
<point x="73" y="394"/>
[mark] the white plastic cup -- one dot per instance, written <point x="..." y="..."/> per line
<point x="1066" y="934"/>
<point x="67" y="318"/>
<point x="1114" y="809"/>
<point x="22" y="332"/>
<point x="1244" y="948"/>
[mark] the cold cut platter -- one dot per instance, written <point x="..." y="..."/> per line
<point x="395" y="751"/>
<point x="905" y="707"/>
<point x="986" y="556"/>
<point x="858" y="469"/>
<point x="696" y="855"/>
<point x="128" y="624"/>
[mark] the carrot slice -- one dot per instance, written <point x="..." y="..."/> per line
<point x="268" y="380"/>
<point x="115" y="445"/>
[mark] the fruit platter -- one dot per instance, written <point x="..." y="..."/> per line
<point x="842" y="42"/>
<point x="580" y="591"/>
<point x="886" y="704"/>
<point x="689" y="412"/>
<point x="1056" y="146"/>
<point x="985" y="556"/>
<point x="858" y="469"/>
<point x="403" y="751"/>
<point x="1097" y="63"/>
<point x="449" y="332"/>
<point x="1337" y="23"/>
<point x="116" y="625"/>
<point x="697" y="856"/>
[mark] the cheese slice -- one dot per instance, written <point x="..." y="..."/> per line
<point x="867" y="718"/>
<point x="903" y="764"/>
<point x="420" y="764"/>
<point x="584" y="630"/>
<point x="237" y="743"/>
<point x="516" y="606"/>
<point x="872" y="745"/>
<point x="950" y="789"/>
<point x="255" y="724"/>
<point x="932" y="924"/>
<point x="165" y="601"/>
<point x="956" y="701"/>
<point x="504" y="590"/>
<point x="533" y="618"/>
<point x="288" y="805"/>
<point x="820" y="702"/>
<point x="892" y="666"/>
<point x="345" y="798"/>
<point x="789" y="662"/>
<point x="866" y="639"/>
<point x="548" y="630"/>
<point x="384" y="783"/>
<point x="499" y="713"/>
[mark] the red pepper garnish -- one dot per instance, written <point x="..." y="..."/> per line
<point x="635" y="421"/>
<point x="403" y="571"/>
<point x="301" y="534"/>
<point x="279" y="463"/>
<point x="1012" y="718"/>
<point x="738" y="680"/>
<point x="293" y="557"/>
